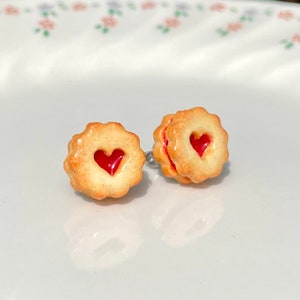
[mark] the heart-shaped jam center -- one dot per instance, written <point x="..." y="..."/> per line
<point x="200" y="144"/>
<point x="109" y="163"/>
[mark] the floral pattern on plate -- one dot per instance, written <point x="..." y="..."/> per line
<point x="107" y="15"/>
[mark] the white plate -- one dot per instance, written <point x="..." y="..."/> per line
<point x="233" y="237"/>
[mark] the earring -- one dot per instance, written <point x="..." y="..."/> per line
<point x="191" y="145"/>
<point x="105" y="160"/>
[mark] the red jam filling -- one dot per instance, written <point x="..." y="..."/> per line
<point x="109" y="163"/>
<point x="200" y="144"/>
<point x="165" y="145"/>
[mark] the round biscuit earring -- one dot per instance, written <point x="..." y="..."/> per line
<point x="191" y="145"/>
<point x="105" y="160"/>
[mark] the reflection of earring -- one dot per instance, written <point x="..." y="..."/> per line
<point x="105" y="160"/>
<point x="183" y="214"/>
<point x="101" y="237"/>
<point x="191" y="145"/>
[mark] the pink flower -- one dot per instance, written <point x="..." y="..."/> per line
<point x="79" y="6"/>
<point x="286" y="15"/>
<point x="234" y="26"/>
<point x="296" y="38"/>
<point x="217" y="7"/>
<point x="11" y="10"/>
<point x="148" y="5"/>
<point x="109" y="21"/>
<point x="173" y="22"/>
<point x="47" y="24"/>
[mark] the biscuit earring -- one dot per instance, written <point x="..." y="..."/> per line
<point x="191" y="145"/>
<point x="105" y="160"/>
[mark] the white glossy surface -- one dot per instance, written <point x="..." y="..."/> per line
<point x="233" y="237"/>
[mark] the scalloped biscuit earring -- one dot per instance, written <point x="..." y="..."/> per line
<point x="191" y="145"/>
<point x="105" y="160"/>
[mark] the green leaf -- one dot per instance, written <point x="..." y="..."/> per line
<point x="166" y="30"/>
<point x="131" y="5"/>
<point x="46" y="33"/>
<point x="177" y="13"/>
<point x="111" y="11"/>
<point x="62" y="5"/>
<point x="246" y="18"/>
<point x="37" y="30"/>
<point x="105" y="30"/>
<point x="45" y="14"/>
<point x="98" y="26"/>
<point x="289" y="45"/>
<point x="222" y="32"/>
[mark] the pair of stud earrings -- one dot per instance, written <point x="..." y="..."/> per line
<point x="106" y="160"/>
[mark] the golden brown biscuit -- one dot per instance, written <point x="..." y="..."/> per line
<point x="191" y="145"/>
<point x="105" y="160"/>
